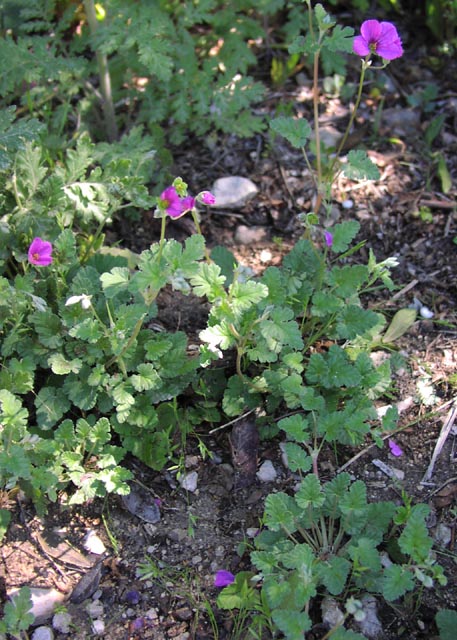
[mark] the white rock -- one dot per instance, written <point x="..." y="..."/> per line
<point x="189" y="481"/>
<point x="233" y="191"/>
<point x="44" y="601"/>
<point x="43" y="633"/>
<point x="93" y="544"/>
<point x="267" y="472"/>
<point x="98" y="627"/>
<point x="265" y="256"/>
<point x="62" y="622"/>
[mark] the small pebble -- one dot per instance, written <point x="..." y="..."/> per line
<point x="265" y="256"/>
<point x="98" y="627"/>
<point x="189" y="481"/>
<point x="93" y="544"/>
<point x="43" y="633"/>
<point x="62" y="622"/>
<point x="267" y="472"/>
<point x="95" y="608"/>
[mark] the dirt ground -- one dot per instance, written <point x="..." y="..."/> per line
<point x="404" y="214"/>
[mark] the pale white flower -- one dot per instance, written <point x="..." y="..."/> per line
<point x="84" y="299"/>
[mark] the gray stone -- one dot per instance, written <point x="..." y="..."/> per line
<point x="95" y="608"/>
<point x="233" y="191"/>
<point x="267" y="472"/>
<point x="189" y="481"/>
<point x="370" y="626"/>
<point x="61" y="622"/>
<point x="332" y="615"/>
<point x="43" y="633"/>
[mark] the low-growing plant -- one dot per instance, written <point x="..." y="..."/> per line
<point x="328" y="538"/>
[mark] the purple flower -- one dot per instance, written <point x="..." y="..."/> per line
<point x="328" y="238"/>
<point x="380" y="38"/>
<point x="395" y="449"/>
<point x="207" y="197"/>
<point x="171" y="202"/>
<point x="40" y="252"/>
<point x="223" y="578"/>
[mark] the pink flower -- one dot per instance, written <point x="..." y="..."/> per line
<point x="207" y="197"/>
<point x="395" y="449"/>
<point x="171" y="202"/>
<point x="223" y="578"/>
<point x="40" y="252"/>
<point x="380" y="38"/>
<point x="328" y="238"/>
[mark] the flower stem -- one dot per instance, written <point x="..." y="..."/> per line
<point x="104" y="76"/>
<point x="351" y="119"/>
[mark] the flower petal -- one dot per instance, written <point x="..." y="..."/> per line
<point x="395" y="449"/>
<point x="371" y="30"/>
<point x="223" y="578"/>
<point x="360" y="46"/>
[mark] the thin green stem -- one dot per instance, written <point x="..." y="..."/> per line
<point x="104" y="76"/>
<point x="351" y="119"/>
<point x="199" y="231"/>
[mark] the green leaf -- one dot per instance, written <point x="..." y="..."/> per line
<point x="51" y="404"/>
<point x="297" y="458"/>
<point x="296" y="427"/>
<point x="341" y="39"/>
<point x="209" y="282"/>
<point x="334" y="573"/>
<point x="443" y="174"/>
<point x="347" y="280"/>
<point x="310" y="493"/>
<point x="48" y="328"/>
<point x="324" y="20"/>
<point x="344" y="634"/>
<point x="5" y="519"/>
<point x="360" y="167"/>
<point x="17" y="612"/>
<point x="343" y="234"/>
<point x="226" y="261"/>
<point x="414" y="539"/>
<point x="397" y="580"/>
<point x="354" y="321"/>
<point x="145" y="378"/>
<point x="446" y="621"/>
<point x="353" y="506"/>
<point x="115" y="282"/>
<point x="281" y="511"/>
<point x="245" y="294"/>
<point x="292" y="623"/>
<point x="60" y="366"/>
<point x="332" y="370"/>
<point x="399" y="325"/>
<point x="14" y="135"/>
<point x="294" y="130"/>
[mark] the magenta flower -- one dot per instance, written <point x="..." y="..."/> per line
<point x="328" y="238"/>
<point x="207" y="197"/>
<point x="40" y="252"/>
<point x="187" y="204"/>
<point x="380" y="38"/>
<point x="171" y="202"/>
<point x="223" y="578"/>
<point x="395" y="449"/>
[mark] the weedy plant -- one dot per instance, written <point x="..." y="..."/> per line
<point x="86" y="377"/>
